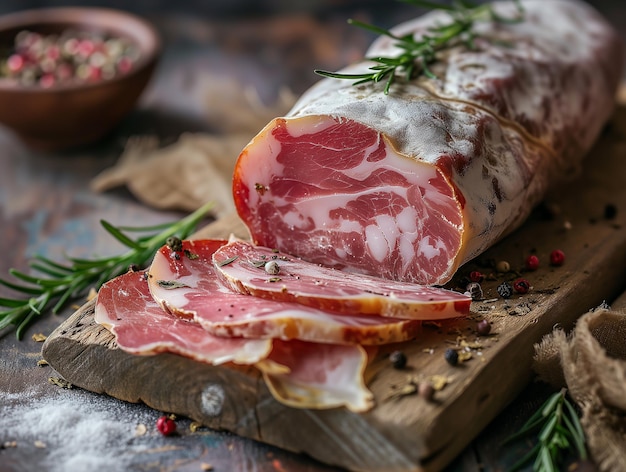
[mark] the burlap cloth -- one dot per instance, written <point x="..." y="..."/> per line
<point x="591" y="363"/>
<point x="198" y="167"/>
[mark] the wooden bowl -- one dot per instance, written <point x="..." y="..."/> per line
<point x="71" y="115"/>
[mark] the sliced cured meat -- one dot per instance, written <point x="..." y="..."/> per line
<point x="301" y="375"/>
<point x="185" y="282"/>
<point x="126" y="308"/>
<point x="410" y="185"/>
<point x="267" y="273"/>
<point x="319" y="376"/>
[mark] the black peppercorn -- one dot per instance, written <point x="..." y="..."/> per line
<point x="398" y="359"/>
<point x="505" y="290"/>
<point x="610" y="211"/>
<point x="451" y="356"/>
<point x="475" y="290"/>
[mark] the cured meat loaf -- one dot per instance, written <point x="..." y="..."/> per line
<point x="410" y="185"/>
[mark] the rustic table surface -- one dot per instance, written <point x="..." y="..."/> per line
<point x="47" y="208"/>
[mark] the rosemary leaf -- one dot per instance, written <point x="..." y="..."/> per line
<point x="47" y="270"/>
<point x="19" y="288"/>
<point x="10" y="303"/>
<point x="34" y="280"/>
<point x="52" y="264"/>
<point x="121" y="237"/>
<point x="372" y="28"/>
<point x="420" y="52"/>
<point x="560" y="432"/>
<point x="525" y="459"/>
<point x="61" y="283"/>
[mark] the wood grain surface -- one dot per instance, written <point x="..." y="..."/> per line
<point x="407" y="432"/>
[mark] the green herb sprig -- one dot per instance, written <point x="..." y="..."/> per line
<point x="559" y="431"/>
<point x="419" y="53"/>
<point x="61" y="283"/>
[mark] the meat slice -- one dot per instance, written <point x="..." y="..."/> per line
<point x="301" y="375"/>
<point x="410" y="185"/>
<point x="319" y="376"/>
<point x="126" y="308"/>
<point x="267" y="273"/>
<point x="184" y="282"/>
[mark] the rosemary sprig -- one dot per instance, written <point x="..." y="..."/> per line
<point x="559" y="432"/>
<point x="59" y="283"/>
<point x="418" y="53"/>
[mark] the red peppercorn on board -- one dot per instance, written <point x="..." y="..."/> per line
<point x="584" y="218"/>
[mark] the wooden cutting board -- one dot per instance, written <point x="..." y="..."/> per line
<point x="403" y="432"/>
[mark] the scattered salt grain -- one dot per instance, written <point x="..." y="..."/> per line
<point x="74" y="429"/>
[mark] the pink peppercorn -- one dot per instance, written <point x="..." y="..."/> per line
<point x="476" y="276"/>
<point x="532" y="262"/>
<point x="86" y="48"/>
<point x="47" y="80"/>
<point x="166" y="426"/>
<point x="124" y="65"/>
<point x="521" y="286"/>
<point x="15" y="63"/>
<point x="557" y="257"/>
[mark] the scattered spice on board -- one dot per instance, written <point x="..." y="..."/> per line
<point x="610" y="211"/>
<point x="59" y="382"/>
<point x="483" y="328"/>
<point x="451" y="356"/>
<point x="505" y="290"/>
<point x="521" y="286"/>
<point x="166" y="426"/>
<point x="426" y="390"/>
<point x="475" y="291"/>
<point x="412" y="386"/>
<point x="532" y="262"/>
<point x="557" y="257"/>
<point x="194" y="426"/>
<point x="140" y="429"/>
<point x="503" y="266"/>
<point x="39" y="337"/>
<point x="464" y="356"/>
<point x="398" y="359"/>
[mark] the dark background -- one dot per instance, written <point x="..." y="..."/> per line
<point x="614" y="10"/>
